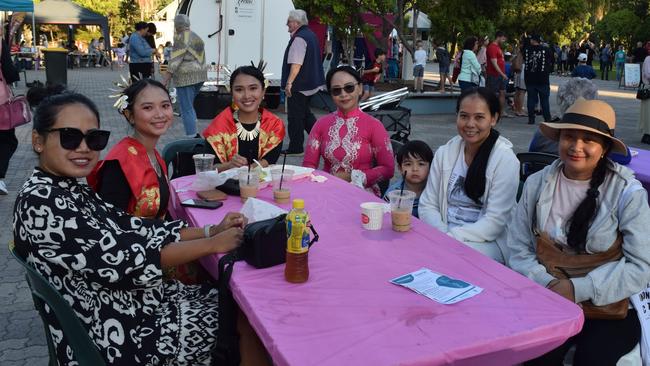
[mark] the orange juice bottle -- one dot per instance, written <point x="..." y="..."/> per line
<point x="296" y="270"/>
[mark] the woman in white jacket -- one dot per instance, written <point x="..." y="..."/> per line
<point x="473" y="182"/>
<point x="584" y="204"/>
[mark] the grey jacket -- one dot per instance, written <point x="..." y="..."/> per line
<point x="610" y="282"/>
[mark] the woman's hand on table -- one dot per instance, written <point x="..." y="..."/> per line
<point x="563" y="288"/>
<point x="346" y="176"/>
<point x="238" y="161"/>
<point x="232" y="219"/>
<point x="227" y="240"/>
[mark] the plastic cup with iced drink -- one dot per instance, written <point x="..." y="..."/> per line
<point x="281" y="184"/>
<point x="401" y="206"/>
<point x="249" y="182"/>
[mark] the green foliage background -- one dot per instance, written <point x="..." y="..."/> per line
<point x="561" y="21"/>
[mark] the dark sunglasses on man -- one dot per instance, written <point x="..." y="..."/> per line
<point x="348" y="88"/>
<point x="70" y="138"/>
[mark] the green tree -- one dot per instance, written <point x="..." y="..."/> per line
<point x="619" y="27"/>
<point x="555" y="20"/>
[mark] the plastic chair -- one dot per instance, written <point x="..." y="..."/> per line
<point x="84" y="349"/>
<point x="532" y="162"/>
<point x="179" y="153"/>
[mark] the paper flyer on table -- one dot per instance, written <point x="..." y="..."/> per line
<point x="437" y="287"/>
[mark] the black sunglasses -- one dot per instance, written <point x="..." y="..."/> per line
<point x="348" y="88"/>
<point x="70" y="138"/>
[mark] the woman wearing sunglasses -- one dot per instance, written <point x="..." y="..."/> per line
<point x="133" y="176"/>
<point x="107" y="263"/>
<point x="354" y="145"/>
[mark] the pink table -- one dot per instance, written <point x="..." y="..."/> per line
<point x="349" y="314"/>
<point x="641" y="166"/>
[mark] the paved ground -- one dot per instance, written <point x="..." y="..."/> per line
<point x="21" y="332"/>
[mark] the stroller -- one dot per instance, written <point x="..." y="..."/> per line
<point x="395" y="118"/>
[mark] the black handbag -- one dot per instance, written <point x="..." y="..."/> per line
<point x="643" y="93"/>
<point x="230" y="187"/>
<point x="264" y="245"/>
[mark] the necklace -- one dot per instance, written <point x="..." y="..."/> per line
<point x="244" y="134"/>
<point x="154" y="164"/>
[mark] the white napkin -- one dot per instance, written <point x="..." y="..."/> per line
<point x="258" y="210"/>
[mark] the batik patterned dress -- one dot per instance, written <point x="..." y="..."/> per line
<point x="355" y="141"/>
<point x="106" y="264"/>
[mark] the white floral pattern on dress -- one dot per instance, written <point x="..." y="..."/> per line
<point x="106" y="264"/>
<point x="349" y="143"/>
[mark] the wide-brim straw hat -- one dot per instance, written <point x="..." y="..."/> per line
<point x="589" y="115"/>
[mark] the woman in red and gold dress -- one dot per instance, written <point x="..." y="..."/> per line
<point x="246" y="132"/>
<point x="133" y="176"/>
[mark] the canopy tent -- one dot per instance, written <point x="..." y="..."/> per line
<point x="17" y="5"/>
<point x="69" y="13"/>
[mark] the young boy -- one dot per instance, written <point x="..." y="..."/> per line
<point x="415" y="159"/>
<point x="419" y="60"/>
<point x="371" y="76"/>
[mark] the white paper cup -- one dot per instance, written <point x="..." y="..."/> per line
<point x="203" y="162"/>
<point x="372" y="215"/>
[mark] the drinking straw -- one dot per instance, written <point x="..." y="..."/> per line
<point x="248" y="176"/>
<point x="284" y="161"/>
<point x="401" y="191"/>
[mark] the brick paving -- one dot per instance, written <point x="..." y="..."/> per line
<point x="22" y="340"/>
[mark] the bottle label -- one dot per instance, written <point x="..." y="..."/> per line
<point x="297" y="233"/>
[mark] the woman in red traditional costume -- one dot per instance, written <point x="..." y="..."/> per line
<point x="133" y="176"/>
<point x="246" y="131"/>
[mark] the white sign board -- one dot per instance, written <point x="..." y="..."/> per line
<point x="632" y="75"/>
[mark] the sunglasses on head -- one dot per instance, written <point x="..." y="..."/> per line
<point x="70" y="138"/>
<point x="348" y="88"/>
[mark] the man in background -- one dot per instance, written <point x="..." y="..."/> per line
<point x="302" y="77"/>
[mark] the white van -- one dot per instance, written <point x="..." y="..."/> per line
<point x="236" y="32"/>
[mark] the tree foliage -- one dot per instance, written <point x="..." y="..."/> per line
<point x="619" y="27"/>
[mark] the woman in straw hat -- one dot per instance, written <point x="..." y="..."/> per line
<point x="584" y="207"/>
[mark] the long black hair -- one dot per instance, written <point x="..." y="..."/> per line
<point x="586" y="210"/>
<point x="475" y="180"/>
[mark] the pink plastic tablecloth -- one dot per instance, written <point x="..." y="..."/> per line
<point x="349" y="314"/>
<point x="641" y="166"/>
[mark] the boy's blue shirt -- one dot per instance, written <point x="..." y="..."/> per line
<point x="398" y="185"/>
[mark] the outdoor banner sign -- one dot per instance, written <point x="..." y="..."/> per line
<point x="632" y="75"/>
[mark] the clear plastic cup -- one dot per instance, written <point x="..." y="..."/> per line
<point x="401" y="207"/>
<point x="203" y="162"/>
<point x="281" y="188"/>
<point x="248" y="184"/>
